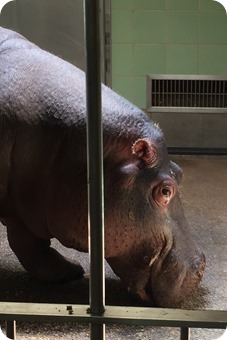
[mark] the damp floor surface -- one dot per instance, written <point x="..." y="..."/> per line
<point x="204" y="194"/>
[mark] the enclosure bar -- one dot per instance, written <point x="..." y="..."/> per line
<point x="95" y="163"/>
<point x="224" y="94"/>
<point x="185" y="333"/>
<point x="11" y="329"/>
<point x="113" y="315"/>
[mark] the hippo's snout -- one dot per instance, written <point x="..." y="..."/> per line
<point x="170" y="279"/>
<point x="180" y="281"/>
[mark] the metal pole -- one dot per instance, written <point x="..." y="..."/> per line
<point x="185" y="333"/>
<point x="11" y="329"/>
<point x="95" y="165"/>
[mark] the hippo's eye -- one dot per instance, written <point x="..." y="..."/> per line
<point x="164" y="192"/>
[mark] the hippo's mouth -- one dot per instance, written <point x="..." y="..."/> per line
<point x="168" y="283"/>
<point x="144" y="292"/>
<point x="142" y="296"/>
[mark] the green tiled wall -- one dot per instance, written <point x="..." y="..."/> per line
<point x="182" y="27"/>
<point x="165" y="36"/>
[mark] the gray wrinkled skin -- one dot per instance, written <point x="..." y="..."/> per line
<point x="43" y="184"/>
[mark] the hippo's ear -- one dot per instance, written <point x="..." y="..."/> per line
<point x="146" y="151"/>
<point x="164" y="192"/>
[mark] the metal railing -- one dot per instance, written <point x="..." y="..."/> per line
<point x="97" y="314"/>
<point x="161" y="317"/>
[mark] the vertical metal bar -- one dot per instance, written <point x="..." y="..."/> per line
<point x="11" y="329"/>
<point x="103" y="40"/>
<point x="209" y="93"/>
<point x="223" y="100"/>
<point x="215" y="93"/>
<point x="95" y="165"/>
<point x="187" y="94"/>
<point x="154" y="92"/>
<point x="219" y="92"/>
<point x="148" y="92"/>
<point x="203" y="93"/>
<point x="190" y="92"/>
<point x="180" y="81"/>
<point x="163" y="92"/>
<point x="171" y="92"/>
<point x="172" y="82"/>
<point x="185" y="333"/>
<point x="183" y="93"/>
<point x="159" y="92"/>
<point x="194" y="93"/>
<point x="108" y="41"/>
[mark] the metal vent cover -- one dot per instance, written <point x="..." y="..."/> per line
<point x="186" y="93"/>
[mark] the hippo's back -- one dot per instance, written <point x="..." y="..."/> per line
<point x="36" y="85"/>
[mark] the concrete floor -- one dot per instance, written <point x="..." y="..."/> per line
<point x="204" y="195"/>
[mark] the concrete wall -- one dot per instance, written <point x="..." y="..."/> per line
<point x="54" y="25"/>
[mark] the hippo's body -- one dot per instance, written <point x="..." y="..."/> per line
<point x="43" y="180"/>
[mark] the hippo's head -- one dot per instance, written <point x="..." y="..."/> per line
<point x="151" y="248"/>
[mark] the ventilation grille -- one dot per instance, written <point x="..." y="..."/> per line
<point x="191" y="93"/>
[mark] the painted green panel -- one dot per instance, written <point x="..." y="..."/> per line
<point x="182" y="27"/>
<point x="182" y="59"/>
<point x="213" y="27"/>
<point x="149" y="59"/>
<point x="212" y="59"/>
<point x="149" y="27"/>
<point x="149" y="39"/>
<point x="211" y="5"/>
<point x="149" y="4"/>
<point x="122" y="4"/>
<point x="182" y="4"/>
<point x="139" y="91"/>
<point x="122" y="26"/>
<point x="123" y="86"/>
<point x="122" y="59"/>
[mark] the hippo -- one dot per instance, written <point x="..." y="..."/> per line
<point x="43" y="180"/>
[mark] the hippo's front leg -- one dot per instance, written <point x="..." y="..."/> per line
<point x="37" y="257"/>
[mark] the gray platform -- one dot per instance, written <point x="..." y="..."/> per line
<point x="193" y="130"/>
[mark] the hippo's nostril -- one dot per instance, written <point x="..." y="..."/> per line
<point x="198" y="266"/>
<point x="196" y="263"/>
